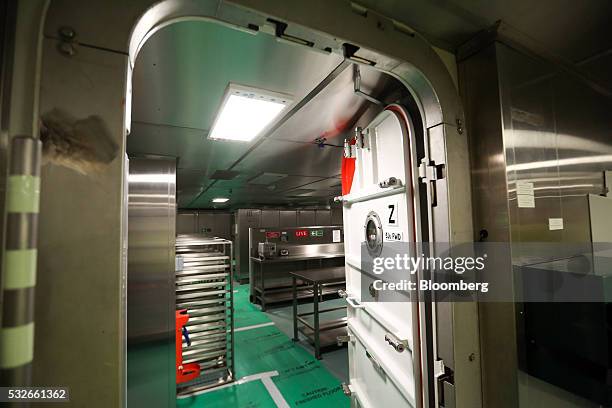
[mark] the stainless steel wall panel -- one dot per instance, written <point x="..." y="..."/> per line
<point x="186" y="223"/>
<point x="336" y="216"/>
<point x="269" y="218"/>
<point x="287" y="218"/>
<point x="306" y="218"/>
<point x="323" y="217"/>
<point x="529" y="138"/>
<point x="252" y="218"/>
<point x="80" y="242"/>
<point x="556" y="130"/>
<point x="223" y="225"/>
<point x="151" y="283"/>
<point x="480" y="91"/>
<point x="245" y="219"/>
<point x="529" y="121"/>
<point x="560" y="145"/>
<point x="209" y="223"/>
<point x="205" y="224"/>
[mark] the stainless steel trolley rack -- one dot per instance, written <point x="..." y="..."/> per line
<point x="204" y="288"/>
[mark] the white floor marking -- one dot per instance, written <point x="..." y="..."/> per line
<point x="246" y="379"/>
<point x="274" y="392"/>
<point x="255" y="326"/>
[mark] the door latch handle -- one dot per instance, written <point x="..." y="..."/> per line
<point x="397" y="344"/>
<point x="390" y="182"/>
<point x="347" y="389"/>
<point x="374" y="361"/>
<point x="344" y="339"/>
<point x="354" y="303"/>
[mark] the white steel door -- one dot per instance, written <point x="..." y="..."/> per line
<point x="382" y="207"/>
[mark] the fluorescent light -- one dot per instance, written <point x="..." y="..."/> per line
<point x="220" y="200"/>
<point x="246" y="112"/>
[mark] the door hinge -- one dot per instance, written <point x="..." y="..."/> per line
<point x="439" y="368"/>
<point x="347" y="389"/>
<point x="445" y="387"/>
<point x="361" y="141"/>
<point x="429" y="173"/>
<point x="340" y="340"/>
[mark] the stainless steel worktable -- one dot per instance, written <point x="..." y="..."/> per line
<point x="320" y="334"/>
<point x="281" y="291"/>
<point x="291" y="258"/>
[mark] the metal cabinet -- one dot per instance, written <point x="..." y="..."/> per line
<point x="206" y="224"/>
<point x="306" y="218"/>
<point x="287" y="218"/>
<point x="269" y="218"/>
<point x="323" y="217"/>
<point x="273" y="218"/>
<point x="336" y="216"/>
<point x="186" y="223"/>
<point x="213" y="224"/>
<point x="245" y="219"/>
<point x="150" y="288"/>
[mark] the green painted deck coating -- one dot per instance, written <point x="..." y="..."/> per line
<point x="252" y="394"/>
<point x="301" y="379"/>
<point x="245" y="313"/>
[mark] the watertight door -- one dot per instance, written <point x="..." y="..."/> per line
<point x="381" y="212"/>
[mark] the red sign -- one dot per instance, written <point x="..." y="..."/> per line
<point x="301" y="233"/>
<point x="272" y="234"/>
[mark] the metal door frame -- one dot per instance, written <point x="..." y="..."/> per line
<point x="363" y="36"/>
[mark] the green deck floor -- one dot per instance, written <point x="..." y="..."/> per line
<point x="245" y="313"/>
<point x="301" y="379"/>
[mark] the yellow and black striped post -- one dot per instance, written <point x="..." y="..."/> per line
<point x="19" y="280"/>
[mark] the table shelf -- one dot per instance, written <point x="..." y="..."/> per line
<point x="320" y="334"/>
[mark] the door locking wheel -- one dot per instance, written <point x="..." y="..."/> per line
<point x="373" y="234"/>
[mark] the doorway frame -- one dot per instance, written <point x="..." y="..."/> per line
<point x="360" y="35"/>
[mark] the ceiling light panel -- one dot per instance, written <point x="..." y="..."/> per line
<point x="246" y="112"/>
